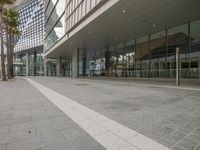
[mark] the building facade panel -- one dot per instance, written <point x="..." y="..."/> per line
<point x="55" y="22"/>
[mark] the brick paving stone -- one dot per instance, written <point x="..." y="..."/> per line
<point x="154" y="112"/>
<point x="17" y="136"/>
<point x="29" y="121"/>
<point x="172" y="139"/>
<point x="177" y="148"/>
<point x="191" y="141"/>
<point x="4" y="129"/>
<point x="186" y="145"/>
<point x="2" y="147"/>
<point x="198" y="147"/>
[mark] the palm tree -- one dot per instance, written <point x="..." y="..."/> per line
<point x="10" y="20"/>
<point x="2" y="4"/>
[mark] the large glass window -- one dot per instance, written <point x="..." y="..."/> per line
<point x="56" y="34"/>
<point x="142" y="56"/>
<point x="178" y="37"/>
<point x="158" y="48"/>
<point x="195" y="49"/>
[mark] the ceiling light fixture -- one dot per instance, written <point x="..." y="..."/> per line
<point x="154" y="25"/>
<point x="124" y="11"/>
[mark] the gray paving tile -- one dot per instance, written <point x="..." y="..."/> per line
<point x="5" y="115"/>
<point x="148" y="110"/>
<point x="191" y="141"/>
<point x="187" y="128"/>
<point x="185" y="145"/>
<point x="177" y="148"/>
<point x="53" y="127"/>
<point x="154" y="112"/>
<point x="2" y="147"/>
<point x="73" y="133"/>
<point x="30" y="124"/>
<point x="15" y="120"/>
<point x="172" y="139"/>
<point x="17" y="136"/>
<point x="83" y="143"/>
<point x="37" y="142"/>
<point x="163" y="131"/>
<point x="198" y="147"/>
<point x="4" y="129"/>
<point x="34" y="113"/>
<point x="98" y="148"/>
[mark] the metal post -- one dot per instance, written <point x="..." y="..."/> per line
<point x="178" y="66"/>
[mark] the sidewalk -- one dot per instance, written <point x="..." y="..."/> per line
<point x="52" y="113"/>
<point x="191" y="83"/>
<point x="29" y="121"/>
<point x="170" y="116"/>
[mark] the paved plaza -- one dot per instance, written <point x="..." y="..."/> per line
<point x="37" y="114"/>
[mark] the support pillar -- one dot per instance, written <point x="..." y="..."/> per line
<point x="45" y="67"/>
<point x="75" y="63"/>
<point x="84" y="58"/>
<point x="58" y="67"/>
<point x="178" y="66"/>
<point x="27" y="64"/>
<point x="34" y="62"/>
<point x="49" y="71"/>
<point x="20" y="67"/>
<point x="107" y="61"/>
<point x="199" y="68"/>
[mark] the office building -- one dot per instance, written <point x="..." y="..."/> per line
<point x="120" y="38"/>
<point x="28" y="49"/>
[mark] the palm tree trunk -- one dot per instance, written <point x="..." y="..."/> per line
<point x="11" y="55"/>
<point x="2" y="50"/>
<point x="8" y="54"/>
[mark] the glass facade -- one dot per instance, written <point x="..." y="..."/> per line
<point x="63" y="15"/>
<point x="31" y="25"/>
<point x="55" y="22"/>
<point x="31" y="39"/>
<point x="153" y="55"/>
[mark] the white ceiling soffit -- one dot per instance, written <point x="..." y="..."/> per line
<point x="129" y="19"/>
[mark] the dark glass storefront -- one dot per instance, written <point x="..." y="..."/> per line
<point x="153" y="55"/>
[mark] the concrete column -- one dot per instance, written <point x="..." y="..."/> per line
<point x="170" y="70"/>
<point x="27" y="64"/>
<point x="199" y="68"/>
<point x="178" y="66"/>
<point x="45" y="67"/>
<point x="107" y="61"/>
<point x="20" y="67"/>
<point x="58" y="67"/>
<point x="75" y="63"/>
<point x="34" y="62"/>
<point x="84" y="58"/>
<point x="49" y="71"/>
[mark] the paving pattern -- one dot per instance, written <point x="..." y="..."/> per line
<point x="29" y="121"/>
<point x="169" y="116"/>
<point x="110" y="134"/>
